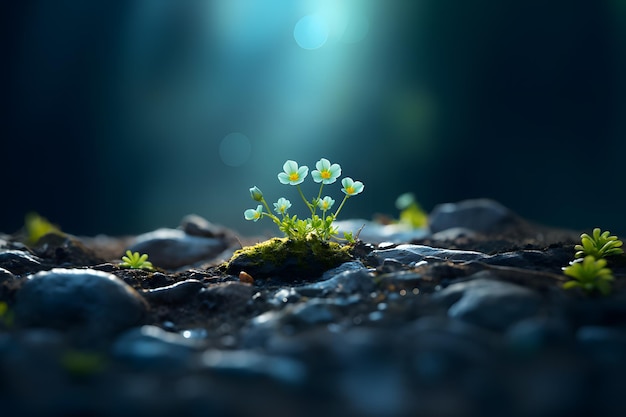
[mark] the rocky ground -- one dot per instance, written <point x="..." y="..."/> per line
<point x="467" y="318"/>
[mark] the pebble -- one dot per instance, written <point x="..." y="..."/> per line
<point x="6" y="275"/>
<point x="250" y="364"/>
<point x="235" y="296"/>
<point x="173" y="248"/>
<point x="478" y="215"/>
<point x="486" y="302"/>
<point x="19" y="262"/>
<point x="177" y="293"/>
<point x="345" y="283"/>
<point x="91" y="305"/>
<point x="405" y="254"/>
<point x="154" y="348"/>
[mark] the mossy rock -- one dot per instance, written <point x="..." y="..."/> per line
<point x="288" y="259"/>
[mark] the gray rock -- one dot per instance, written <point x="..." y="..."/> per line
<point x="345" y="283"/>
<point x="90" y="305"/>
<point x="176" y="293"/>
<point x="233" y="296"/>
<point x="172" y="248"/>
<point x="489" y="303"/>
<point x="479" y="215"/>
<point x="252" y="365"/>
<point x="19" y="262"/>
<point x="154" y="348"/>
<point x="195" y="225"/>
<point x="6" y="275"/>
<point x="407" y="254"/>
<point x="605" y="344"/>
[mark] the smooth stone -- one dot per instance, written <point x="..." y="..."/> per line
<point x="6" y="275"/>
<point x="489" y="303"/>
<point x="479" y="215"/>
<point x="249" y="364"/>
<point x="373" y="232"/>
<point x="90" y="304"/>
<point x="532" y="335"/>
<point x="312" y="312"/>
<point x="234" y="296"/>
<point x="345" y="283"/>
<point x="194" y="225"/>
<point x="173" y="248"/>
<point x="550" y="259"/>
<point x="607" y="345"/>
<point x="346" y="266"/>
<point x="408" y="253"/>
<point x="19" y="262"/>
<point x="176" y="293"/>
<point x="153" y="347"/>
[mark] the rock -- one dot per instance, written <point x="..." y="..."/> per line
<point x="346" y="283"/>
<point x="90" y="305"/>
<point x="233" y="296"/>
<point x="174" y="294"/>
<point x="153" y="348"/>
<point x="194" y="225"/>
<point x="478" y="215"/>
<point x="172" y="248"/>
<point x="248" y="364"/>
<point x="407" y="254"/>
<point x="6" y="275"/>
<point x="19" y="262"/>
<point x="489" y="303"/>
<point x="605" y="344"/>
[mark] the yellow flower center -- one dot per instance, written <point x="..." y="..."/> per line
<point x="293" y="176"/>
<point x="325" y="174"/>
<point x="350" y="190"/>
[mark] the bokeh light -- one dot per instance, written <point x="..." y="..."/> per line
<point x="235" y="149"/>
<point x="311" y="32"/>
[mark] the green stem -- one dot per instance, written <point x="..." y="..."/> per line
<point x="269" y="212"/>
<point x="341" y="206"/>
<point x="309" y="205"/>
<point x="319" y="195"/>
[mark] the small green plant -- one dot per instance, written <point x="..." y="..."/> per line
<point x="590" y="274"/>
<point x="599" y="245"/>
<point x="318" y="225"/>
<point x="411" y="214"/>
<point x="136" y="261"/>
<point x="6" y="315"/>
<point x="37" y="227"/>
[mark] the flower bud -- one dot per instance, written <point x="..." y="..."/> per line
<point x="256" y="194"/>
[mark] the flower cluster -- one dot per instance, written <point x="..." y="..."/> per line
<point x="320" y="225"/>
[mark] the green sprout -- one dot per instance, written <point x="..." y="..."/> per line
<point x="6" y="315"/>
<point x="411" y="214"/>
<point x="319" y="225"/>
<point x="599" y="245"/>
<point x="589" y="274"/>
<point x="38" y="226"/>
<point x="136" y="261"/>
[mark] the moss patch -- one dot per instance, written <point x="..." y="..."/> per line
<point x="288" y="259"/>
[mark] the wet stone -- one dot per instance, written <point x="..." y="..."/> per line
<point x="233" y="296"/>
<point x="89" y="304"/>
<point x="489" y="303"/>
<point x="154" y="348"/>
<point x="479" y="215"/>
<point x="6" y="275"/>
<point x="172" y="248"/>
<point x="406" y="254"/>
<point x="177" y="293"/>
<point x="19" y="262"/>
<point x="345" y="283"/>
<point x="253" y="365"/>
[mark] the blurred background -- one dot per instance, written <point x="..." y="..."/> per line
<point x="120" y="117"/>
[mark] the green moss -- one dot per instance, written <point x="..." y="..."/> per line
<point x="289" y="259"/>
